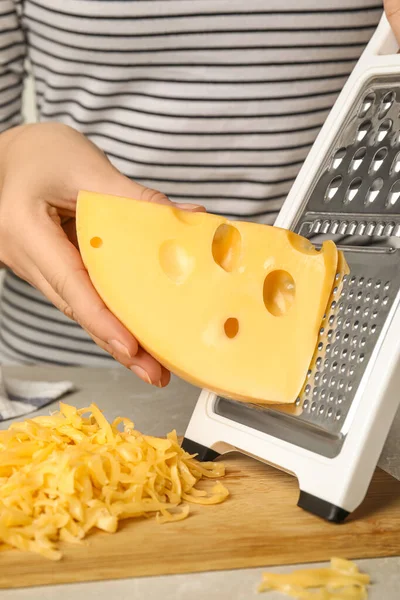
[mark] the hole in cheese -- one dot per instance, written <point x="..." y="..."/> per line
<point x="96" y="242"/>
<point x="301" y="244"/>
<point x="175" y="261"/>
<point x="226" y="247"/>
<point x="279" y="293"/>
<point x="231" y="327"/>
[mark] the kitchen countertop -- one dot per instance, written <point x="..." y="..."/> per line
<point x="156" y="412"/>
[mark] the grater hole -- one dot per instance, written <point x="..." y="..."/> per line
<point x="386" y="104"/>
<point x="357" y="159"/>
<point x="394" y="194"/>
<point x="374" y="190"/>
<point x="366" y="104"/>
<point x="338" y="415"/>
<point x="363" y="130"/>
<point x="395" y="166"/>
<point x="333" y="187"/>
<point x="373" y="328"/>
<point x="338" y="157"/>
<point x="352" y="190"/>
<point x="329" y="412"/>
<point x="378" y="160"/>
<point x="383" y="130"/>
<point x="386" y="286"/>
<point x="396" y="139"/>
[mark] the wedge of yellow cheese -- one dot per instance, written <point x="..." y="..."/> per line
<point x="234" y="307"/>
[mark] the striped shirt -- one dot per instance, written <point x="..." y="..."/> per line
<point x="211" y="101"/>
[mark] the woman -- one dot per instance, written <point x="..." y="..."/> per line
<point x="213" y="103"/>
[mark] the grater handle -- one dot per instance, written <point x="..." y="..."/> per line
<point x="382" y="42"/>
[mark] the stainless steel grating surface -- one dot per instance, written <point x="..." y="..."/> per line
<point x="355" y="200"/>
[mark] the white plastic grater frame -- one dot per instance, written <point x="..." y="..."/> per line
<point x="341" y="482"/>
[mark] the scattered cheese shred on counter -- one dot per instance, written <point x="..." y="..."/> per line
<point x="341" y="581"/>
<point x="65" y="474"/>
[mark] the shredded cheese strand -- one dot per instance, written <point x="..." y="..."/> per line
<point x="341" y="581"/>
<point x="66" y="474"/>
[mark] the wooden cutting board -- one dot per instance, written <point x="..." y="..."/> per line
<point x="259" y="525"/>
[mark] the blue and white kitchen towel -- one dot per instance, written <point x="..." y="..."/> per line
<point x="20" y="397"/>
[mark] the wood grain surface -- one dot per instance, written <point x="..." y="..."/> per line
<point x="259" y="525"/>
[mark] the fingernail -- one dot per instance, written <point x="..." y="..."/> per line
<point x="190" y="206"/>
<point x="140" y="373"/>
<point x="119" y="348"/>
<point x="159" y="384"/>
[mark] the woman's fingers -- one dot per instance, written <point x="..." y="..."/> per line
<point x="142" y="364"/>
<point x="60" y="264"/>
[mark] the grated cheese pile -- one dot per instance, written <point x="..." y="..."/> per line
<point x="341" y="581"/>
<point x="65" y="474"/>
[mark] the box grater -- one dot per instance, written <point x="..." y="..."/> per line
<point x="348" y="190"/>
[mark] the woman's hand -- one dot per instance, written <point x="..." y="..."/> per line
<point x="42" y="168"/>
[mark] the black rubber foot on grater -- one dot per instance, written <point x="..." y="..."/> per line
<point x="204" y="454"/>
<point x="322" y="508"/>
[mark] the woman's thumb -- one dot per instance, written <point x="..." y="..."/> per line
<point x="123" y="186"/>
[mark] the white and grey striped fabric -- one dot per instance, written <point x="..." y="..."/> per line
<point x="211" y="101"/>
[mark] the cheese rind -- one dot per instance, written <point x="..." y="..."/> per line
<point x="175" y="279"/>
